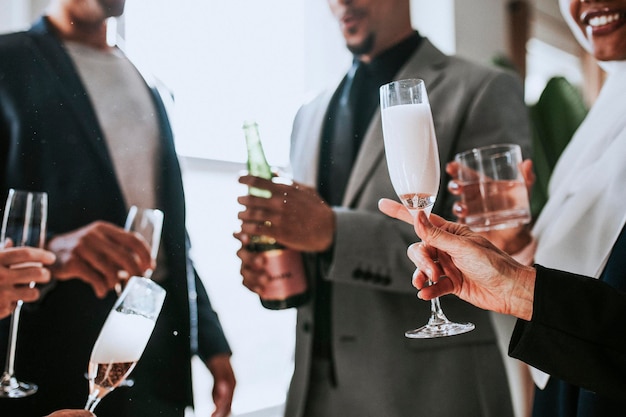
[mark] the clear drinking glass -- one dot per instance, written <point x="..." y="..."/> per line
<point x="123" y="337"/>
<point x="24" y="224"/>
<point x="494" y="192"/>
<point x="413" y="162"/>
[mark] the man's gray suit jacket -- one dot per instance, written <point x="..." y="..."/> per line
<point x="378" y="371"/>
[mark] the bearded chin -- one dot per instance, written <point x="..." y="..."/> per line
<point x="364" y="47"/>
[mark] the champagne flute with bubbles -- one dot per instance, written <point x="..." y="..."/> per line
<point x="23" y="224"/>
<point x="123" y="337"/>
<point x="413" y="162"/>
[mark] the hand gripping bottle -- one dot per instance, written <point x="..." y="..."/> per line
<point x="287" y="285"/>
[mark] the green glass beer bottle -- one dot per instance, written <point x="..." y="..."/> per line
<point x="287" y="285"/>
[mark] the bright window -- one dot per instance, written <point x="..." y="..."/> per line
<point x="545" y="61"/>
<point x="226" y="61"/>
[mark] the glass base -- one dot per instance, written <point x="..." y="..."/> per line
<point x="12" y="388"/>
<point x="432" y="330"/>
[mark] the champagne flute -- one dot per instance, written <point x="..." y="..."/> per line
<point x="24" y="224"/>
<point x="123" y="337"/>
<point x="413" y="163"/>
<point x="148" y="223"/>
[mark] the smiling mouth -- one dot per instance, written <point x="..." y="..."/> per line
<point x="598" y="20"/>
<point x="604" y="20"/>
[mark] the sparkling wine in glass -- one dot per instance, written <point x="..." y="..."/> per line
<point x="413" y="162"/>
<point x="123" y="337"/>
<point x="24" y="224"/>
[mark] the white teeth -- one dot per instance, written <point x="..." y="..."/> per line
<point x="603" y="20"/>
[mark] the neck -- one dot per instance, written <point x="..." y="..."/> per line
<point x="385" y="44"/>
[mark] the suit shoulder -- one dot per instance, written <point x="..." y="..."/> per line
<point x="314" y="101"/>
<point x="15" y="44"/>
<point x="478" y="73"/>
<point x="14" y="39"/>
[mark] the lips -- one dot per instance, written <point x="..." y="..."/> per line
<point x="351" y="18"/>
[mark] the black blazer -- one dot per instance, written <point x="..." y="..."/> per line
<point x="577" y="334"/>
<point x="50" y="140"/>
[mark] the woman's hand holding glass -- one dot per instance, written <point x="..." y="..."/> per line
<point x="464" y="263"/>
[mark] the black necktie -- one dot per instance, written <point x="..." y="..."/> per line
<point x="342" y="141"/>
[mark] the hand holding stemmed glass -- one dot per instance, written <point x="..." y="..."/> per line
<point x="23" y="224"/>
<point x="413" y="162"/>
<point x="123" y="337"/>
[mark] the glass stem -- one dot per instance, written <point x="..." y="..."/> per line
<point x="436" y="313"/>
<point x="9" y="368"/>
<point x="92" y="401"/>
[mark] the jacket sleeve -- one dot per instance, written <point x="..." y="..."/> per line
<point x="211" y="338"/>
<point x="576" y="332"/>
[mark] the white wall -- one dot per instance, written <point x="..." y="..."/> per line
<point x="480" y="29"/>
<point x="13" y="15"/>
<point x="18" y="14"/>
<point x="435" y="19"/>
<point x="262" y="340"/>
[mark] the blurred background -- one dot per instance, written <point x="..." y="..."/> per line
<point x="226" y="61"/>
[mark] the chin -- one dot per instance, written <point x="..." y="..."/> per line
<point x="609" y="54"/>
<point x="364" y="46"/>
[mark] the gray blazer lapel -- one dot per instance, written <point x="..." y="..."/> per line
<point x="306" y="140"/>
<point x="425" y="63"/>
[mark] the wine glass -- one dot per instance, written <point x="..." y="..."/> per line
<point x="24" y="224"/>
<point x="123" y="337"/>
<point x="413" y="162"/>
<point x="148" y="223"/>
